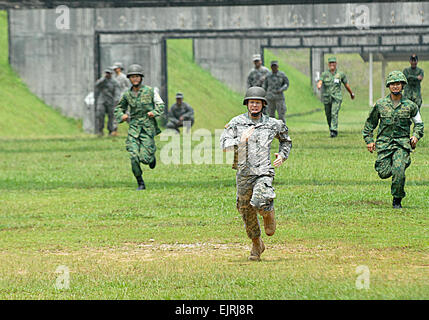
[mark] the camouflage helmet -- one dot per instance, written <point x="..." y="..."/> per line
<point x="256" y="93"/>
<point x="135" y="69"/>
<point x="396" y="76"/>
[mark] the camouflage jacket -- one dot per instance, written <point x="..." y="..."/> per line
<point x="275" y="84"/>
<point x="331" y="85"/>
<point x="107" y="90"/>
<point x="146" y="100"/>
<point x="254" y="156"/>
<point x="177" y="111"/>
<point x="393" y="123"/>
<point x="412" y="89"/>
<point x="123" y="81"/>
<point x="257" y="77"/>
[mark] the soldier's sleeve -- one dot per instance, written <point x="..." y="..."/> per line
<point x="370" y="125"/>
<point x="189" y="112"/>
<point x="285" y="141"/>
<point x="422" y="73"/>
<point x="285" y="83"/>
<point x="99" y="83"/>
<point x="265" y="84"/>
<point x="344" y="79"/>
<point x="117" y="94"/>
<point x="228" y="138"/>
<point x="159" y="104"/>
<point x="418" y="130"/>
<point x="248" y="80"/>
<point x="121" y="108"/>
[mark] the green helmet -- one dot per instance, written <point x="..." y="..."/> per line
<point x="135" y="69"/>
<point x="396" y="76"/>
<point x="256" y="93"/>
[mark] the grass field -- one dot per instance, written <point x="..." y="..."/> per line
<point x="69" y="200"/>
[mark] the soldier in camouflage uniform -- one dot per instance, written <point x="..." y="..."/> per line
<point x="144" y="104"/>
<point x="258" y="74"/>
<point x="107" y="95"/>
<point x="180" y="114"/>
<point x="251" y="135"/>
<point x="330" y="82"/>
<point x="414" y="77"/>
<point x="124" y="82"/>
<point x="275" y="83"/>
<point x="393" y="115"/>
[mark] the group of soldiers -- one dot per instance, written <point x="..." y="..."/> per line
<point x="251" y="134"/>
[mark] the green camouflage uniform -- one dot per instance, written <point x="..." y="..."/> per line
<point x="393" y="138"/>
<point x="256" y="77"/>
<point x="255" y="175"/>
<point x="274" y="85"/>
<point x="332" y="96"/>
<point x="142" y="130"/>
<point x="412" y="89"/>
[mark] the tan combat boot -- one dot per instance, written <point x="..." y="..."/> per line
<point x="257" y="249"/>
<point x="114" y="134"/>
<point x="269" y="222"/>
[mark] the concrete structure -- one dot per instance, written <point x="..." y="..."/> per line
<point x="60" y="61"/>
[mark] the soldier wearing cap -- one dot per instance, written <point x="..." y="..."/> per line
<point x="393" y="115"/>
<point x="107" y="95"/>
<point x="258" y="74"/>
<point x="144" y="105"/>
<point x="275" y="83"/>
<point x="330" y="83"/>
<point x="180" y="114"/>
<point x="119" y="76"/>
<point x="250" y="135"/>
<point x="414" y="77"/>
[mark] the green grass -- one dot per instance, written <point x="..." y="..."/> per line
<point x="71" y="201"/>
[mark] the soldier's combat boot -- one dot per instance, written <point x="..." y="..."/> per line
<point x="113" y="134"/>
<point x="257" y="249"/>
<point x="140" y="183"/>
<point x="333" y="133"/>
<point x="152" y="165"/>
<point x="269" y="222"/>
<point x="397" y="203"/>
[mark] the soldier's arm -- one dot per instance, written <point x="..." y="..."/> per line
<point x="121" y="108"/>
<point x="285" y="141"/>
<point x="229" y="138"/>
<point x="370" y="125"/>
<point x="158" y="103"/>
<point x="100" y="82"/>
<point x="248" y="80"/>
<point x="189" y="112"/>
<point x="265" y="84"/>
<point x="418" y="129"/>
<point x="285" y="84"/>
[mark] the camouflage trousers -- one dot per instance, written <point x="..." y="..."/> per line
<point x="100" y="113"/>
<point x="278" y="105"/>
<point x="255" y="194"/>
<point x="331" y="111"/>
<point x="393" y="163"/>
<point x="141" y="149"/>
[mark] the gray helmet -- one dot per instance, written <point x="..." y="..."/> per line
<point x="256" y="93"/>
<point x="135" y="69"/>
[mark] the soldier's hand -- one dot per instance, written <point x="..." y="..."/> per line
<point x="371" y="147"/>
<point x="125" y="117"/>
<point x="246" y="134"/>
<point x="279" y="160"/>
<point x="420" y="77"/>
<point x="150" y="114"/>
<point x="413" y="142"/>
<point x="319" y="85"/>
<point x="352" y="95"/>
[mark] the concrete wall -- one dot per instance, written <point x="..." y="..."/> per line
<point x="58" y="65"/>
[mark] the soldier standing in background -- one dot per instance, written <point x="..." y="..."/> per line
<point x="122" y="79"/>
<point x="251" y="135"/>
<point x="414" y="76"/>
<point x="107" y="95"/>
<point x="275" y="83"/>
<point x="393" y="115"/>
<point x="258" y="74"/>
<point x="144" y="104"/>
<point x="330" y="82"/>
<point x="180" y="114"/>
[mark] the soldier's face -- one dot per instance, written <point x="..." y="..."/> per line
<point x="332" y="66"/>
<point x="395" y="87"/>
<point x="275" y="68"/>
<point x="257" y="63"/>
<point x="118" y="70"/>
<point x="255" y="106"/>
<point x="179" y="100"/>
<point x="135" y="79"/>
<point x="413" y="63"/>
<point x="108" y="75"/>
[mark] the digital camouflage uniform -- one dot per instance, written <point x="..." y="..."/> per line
<point x="107" y="95"/>
<point x="412" y="90"/>
<point x="332" y="96"/>
<point x="176" y="111"/>
<point x="255" y="192"/>
<point x="142" y="130"/>
<point x="393" y="139"/>
<point x="124" y="83"/>
<point x="274" y="85"/>
<point x="257" y="77"/>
